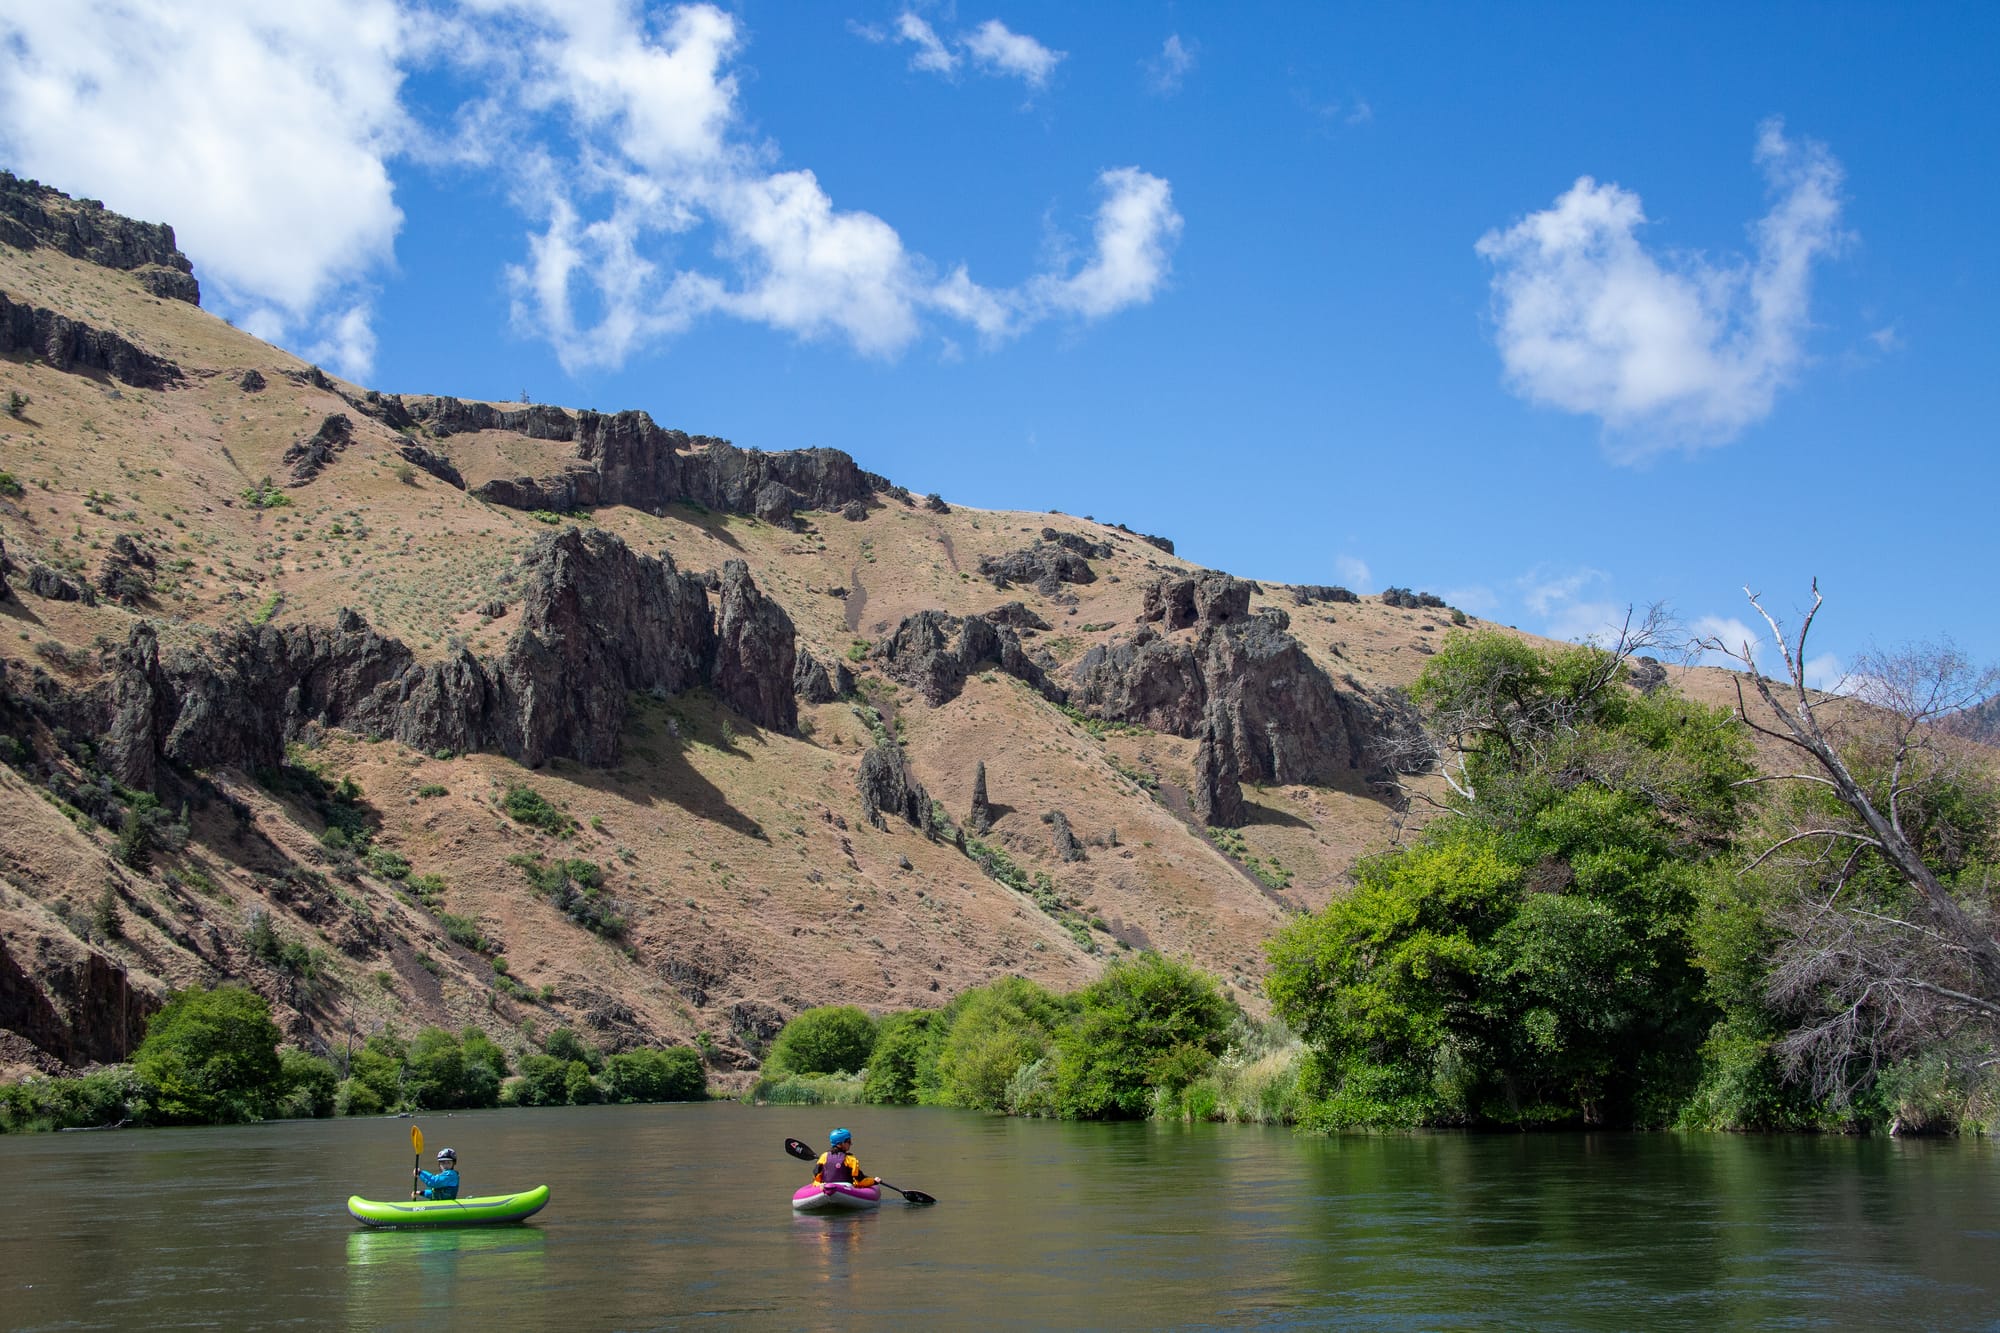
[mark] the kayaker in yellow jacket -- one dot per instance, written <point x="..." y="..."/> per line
<point x="838" y="1165"/>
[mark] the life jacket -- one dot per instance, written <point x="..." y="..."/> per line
<point x="836" y="1168"/>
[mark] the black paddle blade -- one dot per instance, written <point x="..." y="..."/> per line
<point x="909" y="1196"/>
<point x="800" y="1151"/>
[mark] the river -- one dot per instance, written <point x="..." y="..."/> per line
<point x="667" y="1216"/>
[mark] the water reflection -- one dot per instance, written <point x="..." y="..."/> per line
<point x="395" y="1277"/>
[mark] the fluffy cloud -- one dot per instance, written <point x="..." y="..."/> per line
<point x="998" y="50"/>
<point x="992" y="48"/>
<point x="267" y="134"/>
<point x="1571" y="605"/>
<point x="655" y="118"/>
<point x="1353" y="573"/>
<point x="1166" y="71"/>
<point x="261" y="132"/>
<point x="1665" y="352"/>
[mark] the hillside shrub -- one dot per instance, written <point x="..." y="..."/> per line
<point x="527" y="806"/>
<point x="110" y="1096"/>
<point x="997" y="1031"/>
<point x="310" y="1087"/>
<point x="832" y="1039"/>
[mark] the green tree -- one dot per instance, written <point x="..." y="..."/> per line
<point x="832" y="1039"/>
<point x="374" y="1082"/>
<point x="671" y="1075"/>
<point x="566" y="1046"/>
<point x="997" y="1031"/>
<point x="311" y="1087"/>
<point x="905" y="1056"/>
<point x="543" y="1082"/>
<point x="1148" y="1023"/>
<point x="1528" y="960"/>
<point x="211" y="1057"/>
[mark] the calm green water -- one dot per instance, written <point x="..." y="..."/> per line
<point x="665" y="1216"/>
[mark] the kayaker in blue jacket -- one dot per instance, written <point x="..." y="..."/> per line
<point x="838" y="1164"/>
<point x="441" y="1183"/>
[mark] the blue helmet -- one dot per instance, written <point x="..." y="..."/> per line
<point x="839" y="1138"/>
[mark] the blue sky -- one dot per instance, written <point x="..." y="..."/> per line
<point x="1549" y="309"/>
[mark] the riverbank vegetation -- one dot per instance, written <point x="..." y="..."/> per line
<point x="212" y="1057"/>
<point x="1615" y="918"/>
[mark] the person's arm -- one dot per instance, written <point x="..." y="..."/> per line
<point x="861" y="1178"/>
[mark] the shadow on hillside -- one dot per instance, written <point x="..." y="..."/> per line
<point x="1255" y="814"/>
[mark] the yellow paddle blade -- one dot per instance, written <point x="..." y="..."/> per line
<point x="416" y="1140"/>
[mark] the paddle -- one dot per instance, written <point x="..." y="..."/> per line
<point x="417" y="1156"/>
<point x="805" y="1154"/>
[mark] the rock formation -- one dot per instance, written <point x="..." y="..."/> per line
<point x="307" y="458"/>
<point x="1305" y="594"/>
<point x="1063" y="836"/>
<point x="935" y="652"/>
<point x="597" y="623"/>
<point x="814" y="683"/>
<point x="126" y="572"/>
<point x="71" y="345"/>
<point x="32" y="215"/>
<point x="432" y="462"/>
<point x="1055" y="558"/>
<point x="1218" y="793"/>
<point x="887" y="788"/>
<point x="980" y="818"/>
<point x="1271" y="709"/>
<point x="52" y="586"/>
<point x="754" y="657"/>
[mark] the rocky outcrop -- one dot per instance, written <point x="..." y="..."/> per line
<point x="52" y="586"/>
<point x="309" y="457"/>
<point x="1305" y="594"/>
<point x="1270" y="709"/>
<point x="31" y="215"/>
<point x="1177" y="601"/>
<point x="980" y="818"/>
<point x="1055" y="558"/>
<point x="935" y="504"/>
<point x="755" y="652"/>
<point x="5" y="568"/>
<point x="935" y="652"/>
<point x="1016" y="615"/>
<point x="624" y="458"/>
<point x="888" y="790"/>
<point x="814" y="683"/>
<point x="253" y="381"/>
<point x="70" y="1001"/>
<point x="432" y="462"/>
<point x="1218" y="793"/>
<point x="1062" y="836"/>
<point x="70" y="346"/>
<point x="597" y="622"/>
<point x="126" y="573"/>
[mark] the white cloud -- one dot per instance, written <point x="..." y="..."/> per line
<point x="1826" y="673"/>
<point x="1354" y="573"/>
<point x="1565" y="607"/>
<point x="1167" y="71"/>
<point x="1478" y="599"/>
<point x="661" y="157"/>
<point x="1684" y="352"/>
<point x="998" y="50"/>
<point x="931" y="54"/>
<point x="261" y="132"/>
<point x="266" y="134"/>
<point x="349" y="343"/>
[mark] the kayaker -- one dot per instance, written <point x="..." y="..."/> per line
<point x="838" y="1165"/>
<point x="441" y="1183"/>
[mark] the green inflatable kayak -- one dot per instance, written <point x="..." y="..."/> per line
<point x="491" y="1210"/>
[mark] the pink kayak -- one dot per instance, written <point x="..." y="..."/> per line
<point x="835" y="1198"/>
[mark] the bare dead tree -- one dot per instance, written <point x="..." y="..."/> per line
<point x="1872" y="982"/>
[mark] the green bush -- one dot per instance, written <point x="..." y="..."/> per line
<point x="543" y="1082"/>
<point x="997" y="1031"/>
<point x="566" y="1046"/>
<point x="110" y="1096"/>
<point x="905" y="1056"/>
<point x="832" y="1039"/>
<point x="375" y="1077"/>
<point x="439" y="1077"/>
<point x="528" y="806"/>
<point x="211" y="1057"/>
<point x="311" y="1088"/>
<point x="674" y="1074"/>
<point x="1147" y="1024"/>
